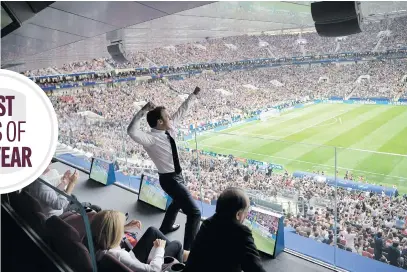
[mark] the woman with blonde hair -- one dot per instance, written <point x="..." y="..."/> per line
<point x="147" y="256"/>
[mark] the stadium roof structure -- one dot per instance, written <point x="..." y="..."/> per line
<point x="68" y="31"/>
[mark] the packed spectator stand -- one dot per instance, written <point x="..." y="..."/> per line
<point x="356" y="219"/>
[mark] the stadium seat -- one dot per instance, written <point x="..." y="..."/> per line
<point x="30" y="211"/>
<point x="109" y="263"/>
<point x="13" y="200"/>
<point x="66" y="242"/>
<point x="76" y="221"/>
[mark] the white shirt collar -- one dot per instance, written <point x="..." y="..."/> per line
<point x="157" y="130"/>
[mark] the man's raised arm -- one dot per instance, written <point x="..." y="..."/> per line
<point x="133" y="130"/>
<point x="184" y="107"/>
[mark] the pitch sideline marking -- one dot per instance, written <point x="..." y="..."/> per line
<point x="325" y="165"/>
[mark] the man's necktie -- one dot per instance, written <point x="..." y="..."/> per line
<point x="177" y="165"/>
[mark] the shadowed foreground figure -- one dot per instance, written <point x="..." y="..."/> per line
<point x="223" y="243"/>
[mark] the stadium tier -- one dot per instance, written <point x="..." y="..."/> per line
<point x="373" y="39"/>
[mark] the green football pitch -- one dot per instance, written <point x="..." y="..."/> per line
<point x="367" y="140"/>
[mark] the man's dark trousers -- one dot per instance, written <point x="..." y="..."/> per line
<point x="173" y="185"/>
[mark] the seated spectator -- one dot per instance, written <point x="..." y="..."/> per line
<point x="147" y="256"/>
<point x="53" y="203"/>
<point x="330" y="239"/>
<point x="388" y="223"/>
<point x="393" y="255"/>
<point x="226" y="227"/>
<point x="400" y="223"/>
<point x="349" y="237"/>
<point x="339" y="244"/>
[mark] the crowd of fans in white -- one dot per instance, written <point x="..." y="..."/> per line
<point x="367" y="215"/>
<point x="251" y="47"/>
<point x="360" y="217"/>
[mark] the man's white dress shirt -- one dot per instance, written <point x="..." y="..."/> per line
<point x="52" y="203"/>
<point x="156" y="142"/>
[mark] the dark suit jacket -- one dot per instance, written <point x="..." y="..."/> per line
<point x="393" y="255"/>
<point x="378" y="247"/>
<point x="223" y="246"/>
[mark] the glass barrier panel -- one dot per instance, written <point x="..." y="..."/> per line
<point x="372" y="207"/>
<point x="124" y="163"/>
<point x="75" y="145"/>
<point x="284" y="176"/>
<point x="190" y="163"/>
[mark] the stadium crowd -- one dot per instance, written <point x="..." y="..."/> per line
<point x="104" y="136"/>
<point x="94" y="119"/>
<point x="384" y="79"/>
<point x="377" y="36"/>
<point x="367" y="224"/>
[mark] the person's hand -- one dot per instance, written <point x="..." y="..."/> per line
<point x="72" y="182"/>
<point x="66" y="178"/>
<point x="133" y="223"/>
<point x="149" y="106"/>
<point x="74" y="178"/>
<point x="160" y="243"/>
<point x="197" y="90"/>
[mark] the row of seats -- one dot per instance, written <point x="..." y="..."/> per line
<point x="65" y="235"/>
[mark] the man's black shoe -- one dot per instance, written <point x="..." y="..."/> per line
<point x="175" y="227"/>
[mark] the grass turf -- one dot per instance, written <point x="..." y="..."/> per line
<point x="368" y="140"/>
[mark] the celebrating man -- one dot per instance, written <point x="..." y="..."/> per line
<point x="160" y="145"/>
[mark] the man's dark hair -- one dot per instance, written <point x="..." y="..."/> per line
<point x="230" y="202"/>
<point x="153" y="116"/>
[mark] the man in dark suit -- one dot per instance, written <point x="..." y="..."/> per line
<point x="393" y="255"/>
<point x="223" y="243"/>
<point x="378" y="246"/>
